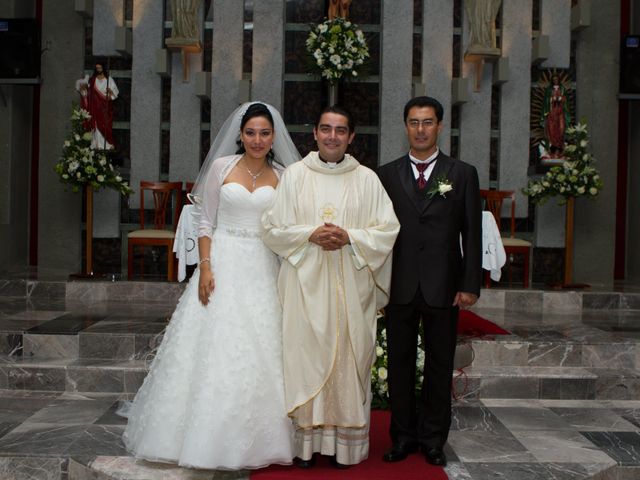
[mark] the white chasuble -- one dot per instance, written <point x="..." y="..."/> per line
<point x="330" y="298"/>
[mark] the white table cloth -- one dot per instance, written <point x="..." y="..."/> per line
<point x="493" y="254"/>
<point x="185" y="245"/>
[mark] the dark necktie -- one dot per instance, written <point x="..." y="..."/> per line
<point x="422" y="181"/>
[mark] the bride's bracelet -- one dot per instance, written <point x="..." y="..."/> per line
<point x="204" y="260"/>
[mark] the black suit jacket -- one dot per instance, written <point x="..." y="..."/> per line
<point x="432" y="230"/>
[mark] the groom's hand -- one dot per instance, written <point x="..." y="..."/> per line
<point x="464" y="299"/>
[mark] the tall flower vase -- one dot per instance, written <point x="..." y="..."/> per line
<point x="88" y="192"/>
<point x="333" y="93"/>
<point x="568" y="248"/>
<point x="568" y="242"/>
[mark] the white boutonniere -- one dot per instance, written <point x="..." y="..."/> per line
<point x="442" y="187"/>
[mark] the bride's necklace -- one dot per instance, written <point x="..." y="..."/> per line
<point x="254" y="176"/>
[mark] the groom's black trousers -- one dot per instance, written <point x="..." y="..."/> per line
<point x="428" y="422"/>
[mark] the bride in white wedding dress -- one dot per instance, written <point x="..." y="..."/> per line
<point x="214" y="395"/>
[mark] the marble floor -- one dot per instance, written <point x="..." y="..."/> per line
<point x="558" y="398"/>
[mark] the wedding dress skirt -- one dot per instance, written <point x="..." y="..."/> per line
<point x="214" y="396"/>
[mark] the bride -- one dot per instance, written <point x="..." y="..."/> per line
<point x="214" y="395"/>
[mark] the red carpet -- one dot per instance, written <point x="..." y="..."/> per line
<point x="472" y="325"/>
<point x="413" y="468"/>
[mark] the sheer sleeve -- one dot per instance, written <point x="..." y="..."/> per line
<point x="207" y="206"/>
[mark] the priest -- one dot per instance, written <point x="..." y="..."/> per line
<point x="334" y="226"/>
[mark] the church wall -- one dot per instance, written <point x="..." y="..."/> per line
<point x="15" y="157"/>
<point x="490" y="129"/>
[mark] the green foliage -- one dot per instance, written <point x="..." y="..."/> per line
<point x="576" y="177"/>
<point x="81" y="165"/>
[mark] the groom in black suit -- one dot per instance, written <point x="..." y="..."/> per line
<point x="437" y="261"/>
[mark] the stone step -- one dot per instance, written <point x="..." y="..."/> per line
<point x="73" y="375"/>
<point x="569" y="383"/>
<point x="126" y="376"/>
<point x="169" y="292"/>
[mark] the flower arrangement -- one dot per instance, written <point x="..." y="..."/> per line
<point x="575" y="177"/>
<point x="442" y="187"/>
<point x="338" y="48"/>
<point x="379" y="372"/>
<point x="81" y="165"/>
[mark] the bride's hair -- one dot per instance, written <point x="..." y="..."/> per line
<point x="255" y="110"/>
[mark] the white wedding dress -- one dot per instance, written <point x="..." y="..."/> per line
<point x="214" y="396"/>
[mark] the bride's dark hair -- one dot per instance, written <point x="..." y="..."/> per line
<point x="255" y="110"/>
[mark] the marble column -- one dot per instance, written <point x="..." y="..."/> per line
<point x="226" y="65"/>
<point x="184" y="137"/>
<point x="267" y="70"/>
<point x="475" y="115"/>
<point x="515" y="100"/>
<point x="437" y="59"/>
<point x="59" y="210"/>
<point x="146" y="95"/>
<point x="395" y="72"/>
<point x="107" y="15"/>
<point x="555" y="22"/>
<point x="597" y="71"/>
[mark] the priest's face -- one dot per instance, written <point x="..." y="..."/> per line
<point x="333" y="136"/>
<point x="423" y="129"/>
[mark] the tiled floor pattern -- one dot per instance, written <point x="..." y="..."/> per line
<point x="557" y="399"/>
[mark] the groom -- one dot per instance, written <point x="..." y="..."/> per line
<point x="437" y="262"/>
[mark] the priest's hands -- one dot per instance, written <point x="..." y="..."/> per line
<point x="330" y="237"/>
<point x="464" y="299"/>
<point x="206" y="284"/>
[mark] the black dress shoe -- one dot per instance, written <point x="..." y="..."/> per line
<point x="400" y="451"/>
<point x="300" y="463"/>
<point x="338" y="465"/>
<point x="435" y="456"/>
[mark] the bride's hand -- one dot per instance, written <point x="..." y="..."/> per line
<point x="206" y="283"/>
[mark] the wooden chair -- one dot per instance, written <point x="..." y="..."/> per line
<point x="493" y="200"/>
<point x="188" y="187"/>
<point x="158" y="235"/>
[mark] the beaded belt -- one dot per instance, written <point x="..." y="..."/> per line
<point x="240" y="232"/>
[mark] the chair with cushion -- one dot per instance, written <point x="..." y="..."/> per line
<point x="164" y="194"/>
<point x="493" y="201"/>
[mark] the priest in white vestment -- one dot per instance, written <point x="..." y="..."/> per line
<point x="334" y="226"/>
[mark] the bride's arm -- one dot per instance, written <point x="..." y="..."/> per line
<point x="206" y="283"/>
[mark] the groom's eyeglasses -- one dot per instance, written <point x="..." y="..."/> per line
<point x="415" y="124"/>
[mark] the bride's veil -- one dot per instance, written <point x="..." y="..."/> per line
<point x="225" y="143"/>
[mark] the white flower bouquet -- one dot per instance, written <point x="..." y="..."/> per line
<point x="379" y="372"/>
<point x="81" y="165"/>
<point x="338" y="48"/>
<point x="576" y="176"/>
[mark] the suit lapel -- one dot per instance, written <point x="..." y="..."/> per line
<point x="408" y="181"/>
<point x="440" y="170"/>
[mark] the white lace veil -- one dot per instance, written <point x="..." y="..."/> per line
<point x="225" y="143"/>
